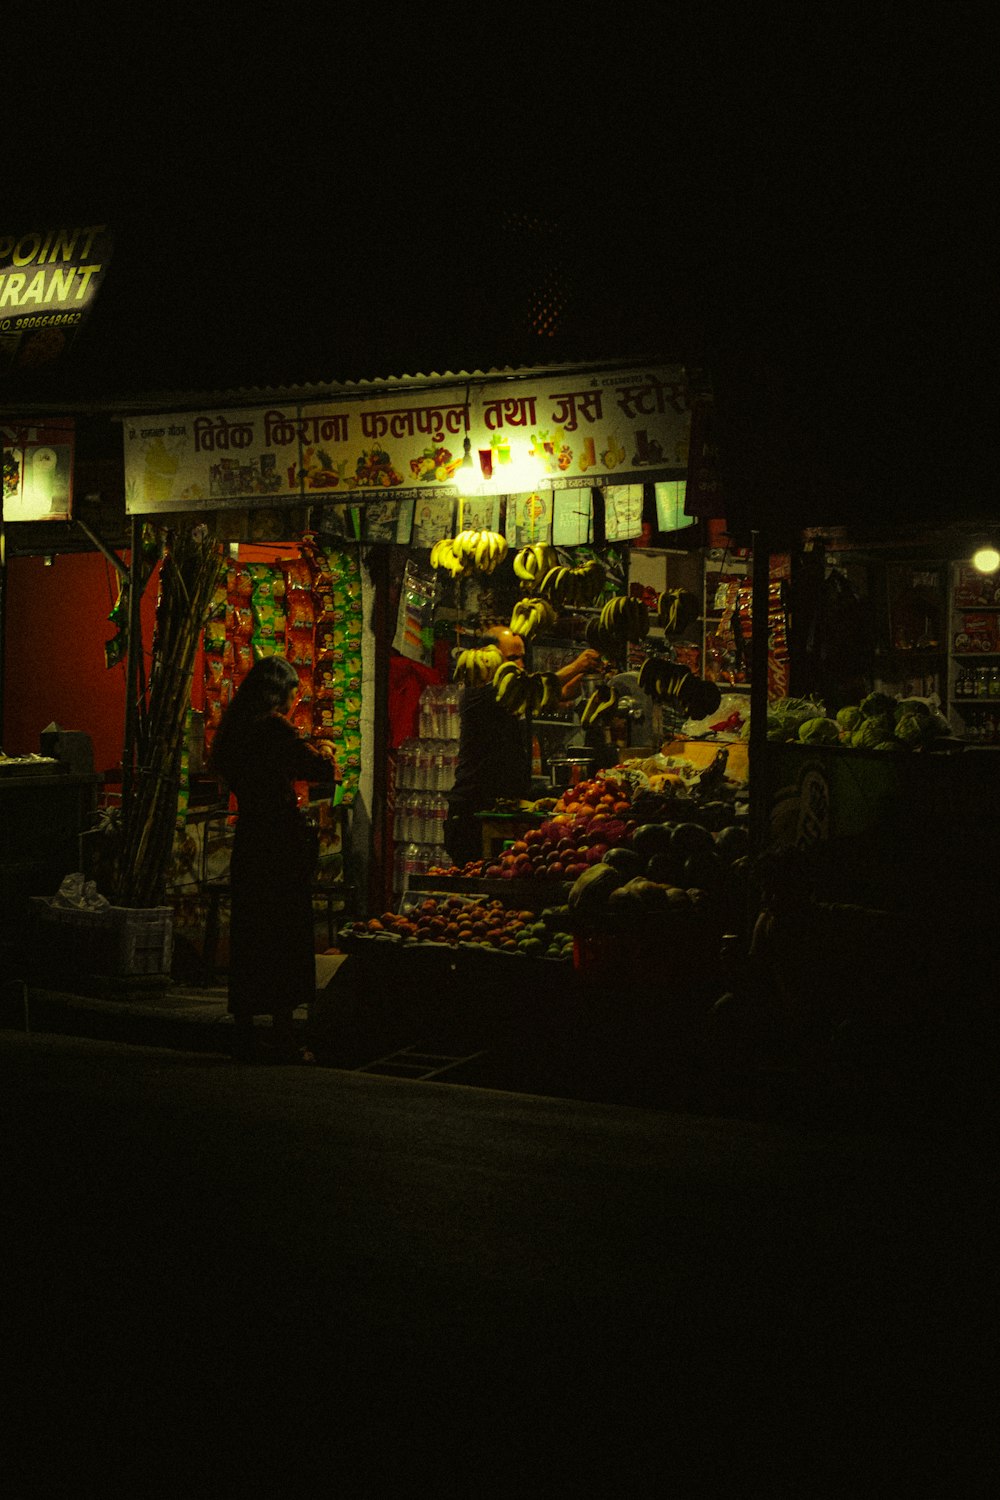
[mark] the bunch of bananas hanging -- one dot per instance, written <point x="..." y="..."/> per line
<point x="662" y="680"/>
<point x="668" y="682"/>
<point x="477" y="664"/>
<point x="530" y="615"/>
<point x="584" y="585"/>
<point x="601" y="701"/>
<point x="622" y="619"/>
<point x="533" y="562"/>
<point x="470" y="551"/>
<point x="542" y="574"/>
<point x="676" y="609"/>
<point x="554" y="585"/>
<point x="521" y="692"/>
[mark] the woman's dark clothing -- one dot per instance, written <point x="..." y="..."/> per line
<point x="494" y="764"/>
<point x="272" y="964"/>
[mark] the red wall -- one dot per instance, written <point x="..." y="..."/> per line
<point x="55" y="629"/>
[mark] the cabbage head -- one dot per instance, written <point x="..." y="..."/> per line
<point x="910" y="730"/>
<point x="935" y="726"/>
<point x="849" y="717"/>
<point x="876" y="704"/>
<point x="915" y="706"/>
<point x="870" y="734"/>
<point x="797" y="709"/>
<point x="819" y="731"/>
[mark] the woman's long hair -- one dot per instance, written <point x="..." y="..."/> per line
<point x="264" y="689"/>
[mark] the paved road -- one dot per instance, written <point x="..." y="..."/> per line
<point x="387" y="1286"/>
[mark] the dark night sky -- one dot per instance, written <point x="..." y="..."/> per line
<point x="799" y="208"/>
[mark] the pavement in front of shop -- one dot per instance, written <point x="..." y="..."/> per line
<point x="603" y="1053"/>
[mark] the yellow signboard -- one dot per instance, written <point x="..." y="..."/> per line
<point x="37" y="470"/>
<point x="49" y="278"/>
<point x="544" y="433"/>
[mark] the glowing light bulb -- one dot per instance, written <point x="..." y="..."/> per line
<point x="467" y="475"/>
<point x="986" y="559"/>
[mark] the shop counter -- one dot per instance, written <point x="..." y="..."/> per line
<point x="42" y="817"/>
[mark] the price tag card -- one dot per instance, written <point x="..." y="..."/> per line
<point x="622" y="512"/>
<point x="529" y="518"/>
<point x="670" y="514"/>
<point x="475" y="513"/>
<point x="573" y="516"/>
<point x="432" y="519"/>
<point x="380" y="520"/>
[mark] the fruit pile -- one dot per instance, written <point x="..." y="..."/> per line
<point x="456" y="919"/>
<point x="673" y="840"/>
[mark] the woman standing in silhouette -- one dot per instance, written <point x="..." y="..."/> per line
<point x="259" y="756"/>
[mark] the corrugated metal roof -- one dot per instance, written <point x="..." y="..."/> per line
<point x="235" y="396"/>
<point x="192" y="398"/>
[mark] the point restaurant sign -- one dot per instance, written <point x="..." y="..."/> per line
<point x="550" y="431"/>
<point x="49" y="278"/>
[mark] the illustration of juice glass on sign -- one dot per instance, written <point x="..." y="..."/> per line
<point x="159" y="472"/>
<point x="551" y="450"/>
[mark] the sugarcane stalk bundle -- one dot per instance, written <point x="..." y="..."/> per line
<point x="189" y="569"/>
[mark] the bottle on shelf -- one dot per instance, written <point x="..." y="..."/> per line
<point x="399" y="868"/>
<point x="411" y="862"/>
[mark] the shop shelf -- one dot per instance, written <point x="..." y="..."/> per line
<point x="526" y="893"/>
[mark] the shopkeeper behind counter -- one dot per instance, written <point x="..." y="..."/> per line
<point x="494" y="758"/>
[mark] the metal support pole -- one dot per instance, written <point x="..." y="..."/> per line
<point x="380" y="846"/>
<point x="133" y="659"/>
<point x="758" y="768"/>
<point x="3" y="623"/>
<point x="103" y="548"/>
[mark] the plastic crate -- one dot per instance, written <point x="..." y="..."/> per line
<point x="119" y="941"/>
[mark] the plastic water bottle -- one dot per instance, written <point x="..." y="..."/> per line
<point x="399" y="868"/>
<point x="404" y="764"/>
<point x="437" y="780"/>
<point x="411" y="862"/>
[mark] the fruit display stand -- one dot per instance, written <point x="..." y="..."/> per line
<point x="598" y="920"/>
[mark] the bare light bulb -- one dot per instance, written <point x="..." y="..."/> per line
<point x="986" y="559"/>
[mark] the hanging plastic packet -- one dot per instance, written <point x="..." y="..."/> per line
<point x="298" y="575"/>
<point x="239" y="584"/>
<point x="414" y="636"/>
<point x="300" y="611"/>
<point x="300" y="648"/>
<point x="267" y="645"/>
<point x="220" y="596"/>
<point x="268" y="617"/>
<point x="215" y="636"/>
<point x="239" y="621"/>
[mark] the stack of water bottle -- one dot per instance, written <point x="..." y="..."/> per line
<point x="425" y="774"/>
